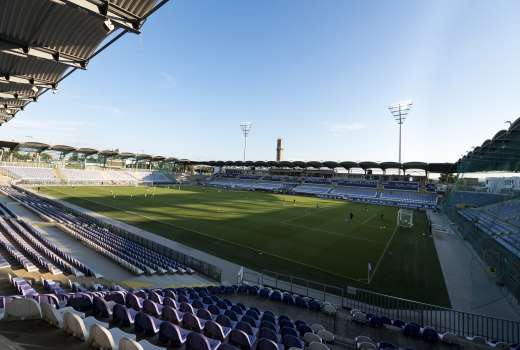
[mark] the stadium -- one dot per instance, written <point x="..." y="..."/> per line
<point x="107" y="248"/>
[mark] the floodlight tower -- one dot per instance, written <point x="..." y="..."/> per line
<point x="246" y="128"/>
<point x="400" y="111"/>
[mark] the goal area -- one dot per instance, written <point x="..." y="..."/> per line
<point x="405" y="217"/>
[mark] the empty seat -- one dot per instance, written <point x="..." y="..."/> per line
<point x="172" y="335"/>
<point x="106" y="339"/>
<point x="196" y="341"/>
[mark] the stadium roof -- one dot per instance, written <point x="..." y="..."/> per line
<point x="501" y="153"/>
<point x="44" y="41"/>
<point x="62" y="148"/>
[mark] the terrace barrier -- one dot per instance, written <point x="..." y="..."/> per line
<point x="443" y="319"/>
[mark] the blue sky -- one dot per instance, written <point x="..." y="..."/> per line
<point x="319" y="74"/>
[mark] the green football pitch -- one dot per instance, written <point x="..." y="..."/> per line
<point x="305" y="237"/>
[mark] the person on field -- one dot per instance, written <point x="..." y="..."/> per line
<point x="382" y="216"/>
<point x="351" y="216"/>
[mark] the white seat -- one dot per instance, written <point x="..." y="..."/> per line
<point x="130" y="344"/>
<point x="107" y="339"/>
<point x="311" y="337"/>
<point x="363" y="339"/>
<point x="318" y="346"/>
<point x="327" y="336"/>
<point x="449" y="338"/>
<point x="22" y="309"/>
<point x="55" y="316"/>
<point x="360" y="317"/>
<point x="73" y="324"/>
<point x="329" y="309"/>
<point x="316" y="327"/>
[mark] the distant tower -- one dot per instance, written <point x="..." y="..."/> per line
<point x="279" y="150"/>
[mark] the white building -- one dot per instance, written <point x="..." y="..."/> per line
<point x="503" y="184"/>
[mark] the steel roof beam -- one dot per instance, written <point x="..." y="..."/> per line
<point x="119" y="17"/>
<point x="19" y="79"/>
<point x="12" y="47"/>
<point x="16" y="96"/>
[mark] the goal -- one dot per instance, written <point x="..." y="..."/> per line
<point x="405" y="217"/>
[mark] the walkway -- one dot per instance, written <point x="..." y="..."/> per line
<point x="471" y="288"/>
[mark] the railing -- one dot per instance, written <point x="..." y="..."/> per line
<point x="442" y="319"/>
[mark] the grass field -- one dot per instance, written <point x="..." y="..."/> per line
<point x="303" y="236"/>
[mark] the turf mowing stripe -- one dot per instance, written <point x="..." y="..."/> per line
<point x="383" y="254"/>
<point x="361" y="280"/>
<point x="332" y="233"/>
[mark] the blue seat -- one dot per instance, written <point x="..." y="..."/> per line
<point x="215" y="331"/>
<point x="122" y="315"/>
<point x="172" y="335"/>
<point x="204" y="314"/>
<point x="314" y="305"/>
<point x="237" y="309"/>
<point x="300" y="302"/>
<point x="197" y="304"/>
<point x="170" y="314"/>
<point x="266" y="344"/>
<point x="241" y="339"/>
<point x="265" y="292"/>
<point x="249" y="320"/>
<point x="375" y="322"/>
<point x="270" y="325"/>
<point x="386" y="346"/>
<point x="412" y="330"/>
<point x="290" y="341"/>
<point x="288" y="299"/>
<point x="289" y="331"/>
<point x="192" y="322"/>
<point x="245" y="327"/>
<point x="214" y="309"/>
<point x="231" y="314"/>
<point x="196" y="341"/>
<point x="267" y="333"/>
<point x="146" y="324"/>
<point x="304" y="329"/>
<point x="276" y="296"/>
<point x="224" y="321"/>
<point x="398" y="323"/>
<point x="430" y="335"/>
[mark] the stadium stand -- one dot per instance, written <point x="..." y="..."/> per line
<point x="316" y="190"/>
<point x="31" y="175"/>
<point x="131" y="255"/>
<point x="151" y="177"/>
<point x="347" y="192"/>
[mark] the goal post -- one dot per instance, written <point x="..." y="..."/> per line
<point x="405" y="217"/>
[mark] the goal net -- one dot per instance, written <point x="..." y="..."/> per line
<point x="405" y="217"/>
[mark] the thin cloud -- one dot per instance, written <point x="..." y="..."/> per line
<point x="104" y="108"/>
<point x="343" y="128"/>
<point x="49" y="125"/>
<point x="168" y="79"/>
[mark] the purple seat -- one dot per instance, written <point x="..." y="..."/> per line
<point x="270" y="325"/>
<point x="249" y="320"/>
<point x="204" y="314"/>
<point x="123" y="316"/>
<point x="224" y="321"/>
<point x="290" y="341"/>
<point x="80" y="303"/>
<point x="237" y="310"/>
<point x="227" y="346"/>
<point x="196" y="341"/>
<point x="214" y="309"/>
<point x="117" y="296"/>
<point x="170" y="293"/>
<point x="253" y="314"/>
<point x="304" y="329"/>
<point x="245" y="327"/>
<point x="215" y="331"/>
<point x="290" y="331"/>
<point x="192" y="322"/>
<point x="182" y="299"/>
<point x="268" y="333"/>
<point x="185" y="307"/>
<point x="241" y="339"/>
<point x="102" y="309"/>
<point x="266" y="344"/>
<point x="231" y="314"/>
<point x="167" y="301"/>
<point x="134" y="302"/>
<point x="146" y="324"/>
<point x="141" y="294"/>
<point x="172" y="335"/>
<point x="156" y="297"/>
<point x="170" y="314"/>
<point x="152" y="308"/>
<point x="197" y="304"/>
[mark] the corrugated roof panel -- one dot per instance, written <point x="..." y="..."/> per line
<point x="30" y="67"/>
<point x="19" y="18"/>
<point x="71" y="31"/>
<point x="12" y="102"/>
<point x="20" y="89"/>
<point x="136" y="7"/>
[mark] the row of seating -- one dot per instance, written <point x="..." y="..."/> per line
<point x="31" y="174"/>
<point x="30" y="238"/>
<point x="127" y="253"/>
<point x="179" y="317"/>
<point x="316" y="190"/>
<point x="507" y="235"/>
<point x="508" y="211"/>
<point x="35" y="175"/>
<point x="353" y="192"/>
